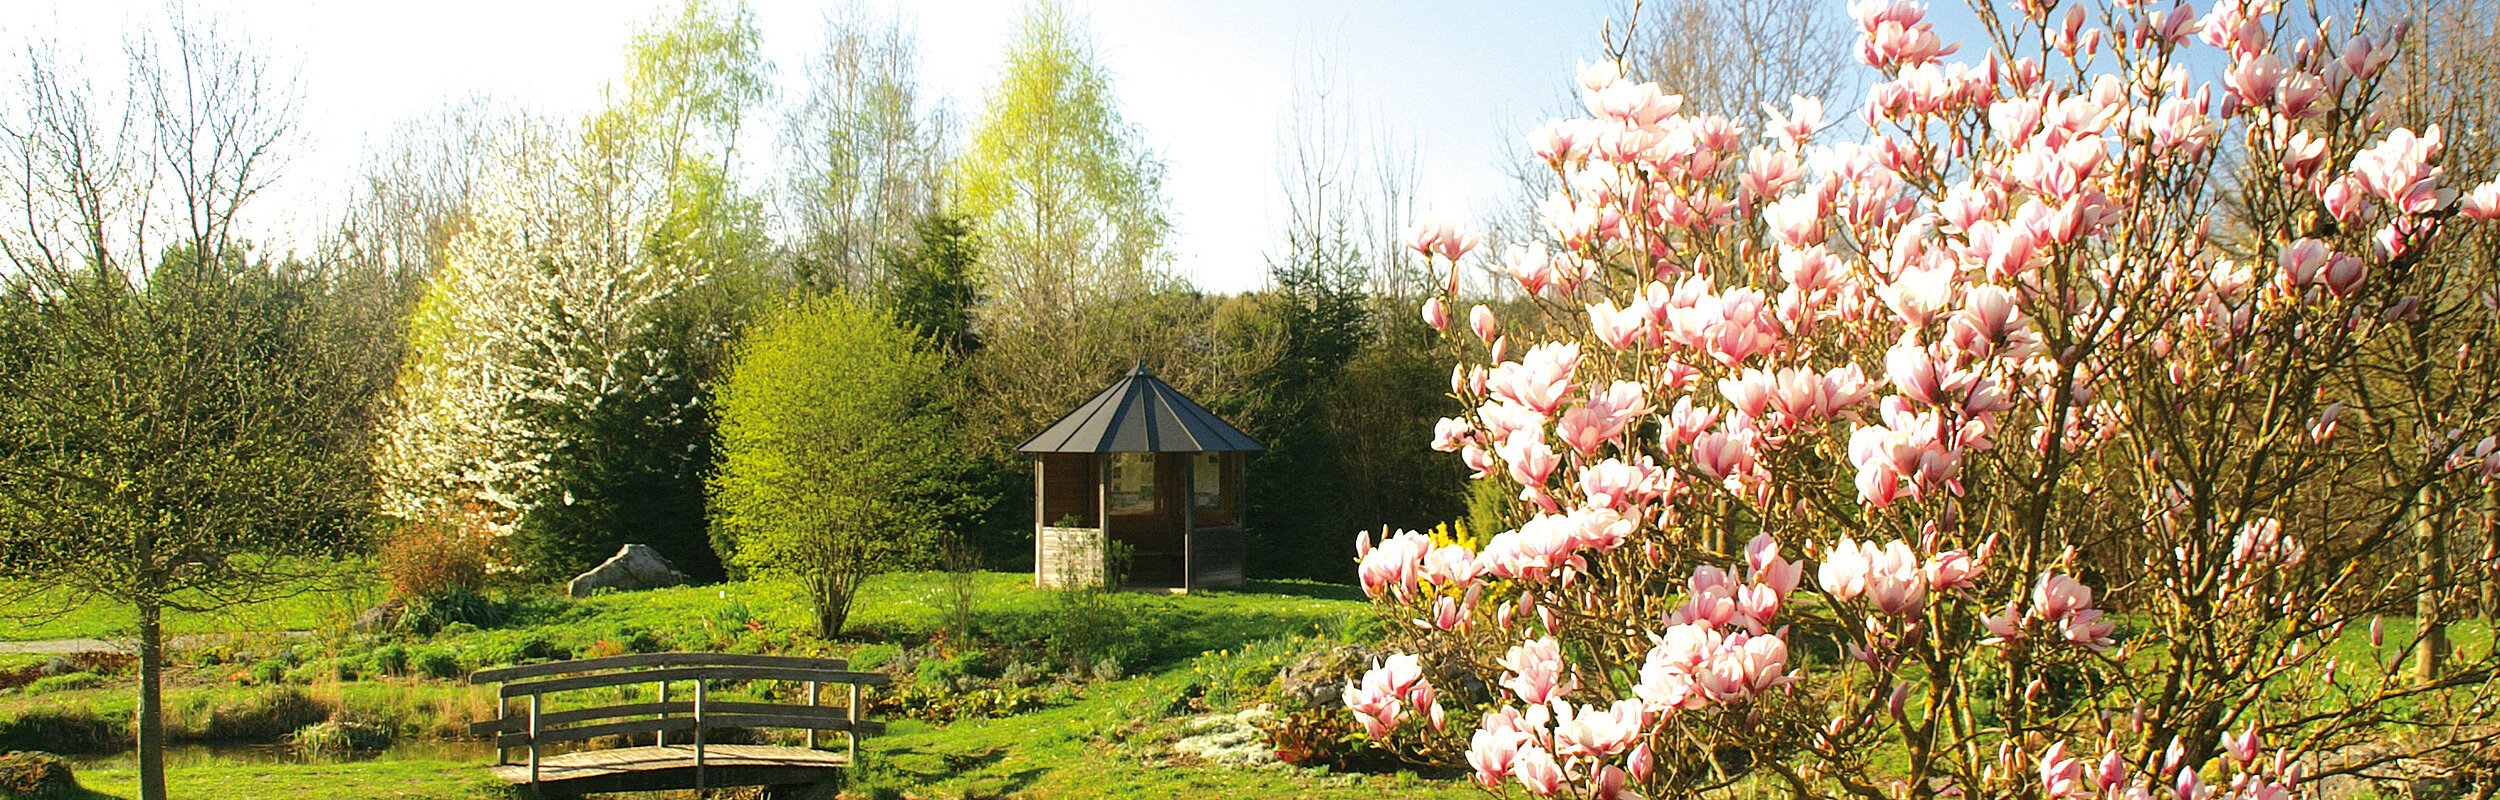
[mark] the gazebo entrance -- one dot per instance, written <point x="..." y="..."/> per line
<point x="1142" y="466"/>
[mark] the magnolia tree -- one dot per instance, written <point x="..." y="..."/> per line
<point x="1974" y="457"/>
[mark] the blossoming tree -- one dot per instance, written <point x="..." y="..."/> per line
<point x="1982" y="456"/>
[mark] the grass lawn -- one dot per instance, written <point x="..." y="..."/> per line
<point x="327" y="595"/>
<point x="1092" y="737"/>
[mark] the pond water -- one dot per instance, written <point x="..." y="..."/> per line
<point x="182" y="755"/>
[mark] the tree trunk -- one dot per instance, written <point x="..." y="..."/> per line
<point x="151" y="702"/>
<point x="2489" y="572"/>
<point x="2431" y="568"/>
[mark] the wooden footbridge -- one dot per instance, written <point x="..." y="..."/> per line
<point x="683" y="752"/>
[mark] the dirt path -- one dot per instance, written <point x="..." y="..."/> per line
<point x="66" y="647"/>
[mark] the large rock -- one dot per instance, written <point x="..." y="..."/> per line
<point x="33" y="773"/>
<point x="633" y="567"/>
<point x="1318" y="680"/>
<point x="381" y="618"/>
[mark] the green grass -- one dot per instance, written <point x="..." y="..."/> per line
<point x="429" y="780"/>
<point x="1087" y="739"/>
<point x="330" y="597"/>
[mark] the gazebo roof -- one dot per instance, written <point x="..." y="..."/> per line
<point x="1140" y="414"/>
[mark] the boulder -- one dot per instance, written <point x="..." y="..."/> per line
<point x="1318" y="680"/>
<point x="381" y="618"/>
<point x="31" y="773"/>
<point x="633" y="567"/>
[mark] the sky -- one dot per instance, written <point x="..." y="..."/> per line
<point x="1208" y="83"/>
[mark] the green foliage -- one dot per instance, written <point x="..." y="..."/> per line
<point x="71" y="730"/>
<point x="1068" y="205"/>
<point x="107" y="499"/>
<point x="65" y="683"/>
<point x="436" y="664"/>
<point x="836" y="460"/>
<point x="933" y="288"/>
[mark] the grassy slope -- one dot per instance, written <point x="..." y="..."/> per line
<point x="1110" y="741"/>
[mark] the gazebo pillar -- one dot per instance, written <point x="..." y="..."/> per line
<point x="1102" y="520"/>
<point x="1189" y="522"/>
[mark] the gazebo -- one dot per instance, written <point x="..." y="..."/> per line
<point x="1145" y="466"/>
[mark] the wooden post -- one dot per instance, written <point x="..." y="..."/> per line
<point x="811" y="703"/>
<point x="660" y="737"/>
<point x="533" y="741"/>
<point x="1189" y="522"/>
<point x="503" y="711"/>
<point x="699" y="784"/>
<point x="1102" y="518"/>
<point x="1041" y="464"/>
<point x="850" y="738"/>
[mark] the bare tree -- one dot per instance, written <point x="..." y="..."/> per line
<point x="172" y="428"/>
<point x="866" y="155"/>
<point x="1731" y="58"/>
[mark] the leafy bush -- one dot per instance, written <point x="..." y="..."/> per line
<point x="835" y="456"/>
<point x="435" y="663"/>
<point x="440" y="555"/>
<point x="391" y="659"/>
<point x="336" y="739"/>
<point x="73" y="731"/>
<point x="65" y="683"/>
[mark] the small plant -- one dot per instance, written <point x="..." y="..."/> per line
<point x="337" y="739"/>
<point x="65" y="683"/>
<point x="963" y="583"/>
<point x="435" y="664"/>
<point x="1086" y="614"/>
<point x="391" y="659"/>
<point x="440" y="555"/>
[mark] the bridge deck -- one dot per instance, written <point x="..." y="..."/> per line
<point x="635" y="769"/>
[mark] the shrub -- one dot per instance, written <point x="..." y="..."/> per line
<point x="74" y="731"/>
<point x="435" y="663"/>
<point x="438" y="555"/>
<point x="36" y="776"/>
<point x="336" y="739"/>
<point x="835" y="452"/>
<point x="391" y="659"/>
<point x="65" y="683"/>
<point x="265" y="715"/>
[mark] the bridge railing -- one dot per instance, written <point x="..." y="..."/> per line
<point x="535" y="724"/>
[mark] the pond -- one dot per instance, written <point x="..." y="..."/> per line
<point x="191" y="755"/>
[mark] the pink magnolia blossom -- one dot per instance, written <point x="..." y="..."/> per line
<point x="1724" y="456"/>
<point x="1448" y="565"/>
<point x="1540" y="379"/>
<point x="1480" y="320"/>
<point x="1441" y="237"/>
<point x="2061" y="776"/>
<point x="1590" y="731"/>
<point x="1536" y="673"/>
<point x="1436" y="314"/>
<point x="1385" y="691"/>
<point x="1952" y="569"/>
<point x="1537" y="771"/>
<point x="2398" y="172"/>
<point x="1450" y="434"/>
<point x="1492" y="753"/>
<point x="1793" y="127"/>
<point x="2483" y="203"/>
<point x="1843" y="572"/>
<point x="1893" y="580"/>
<point x="1531" y="460"/>
<point x="1391" y="568"/>
<point x="1780" y="575"/>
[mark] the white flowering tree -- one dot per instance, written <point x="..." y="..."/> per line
<point x="560" y="360"/>
<point x="1974" y="458"/>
